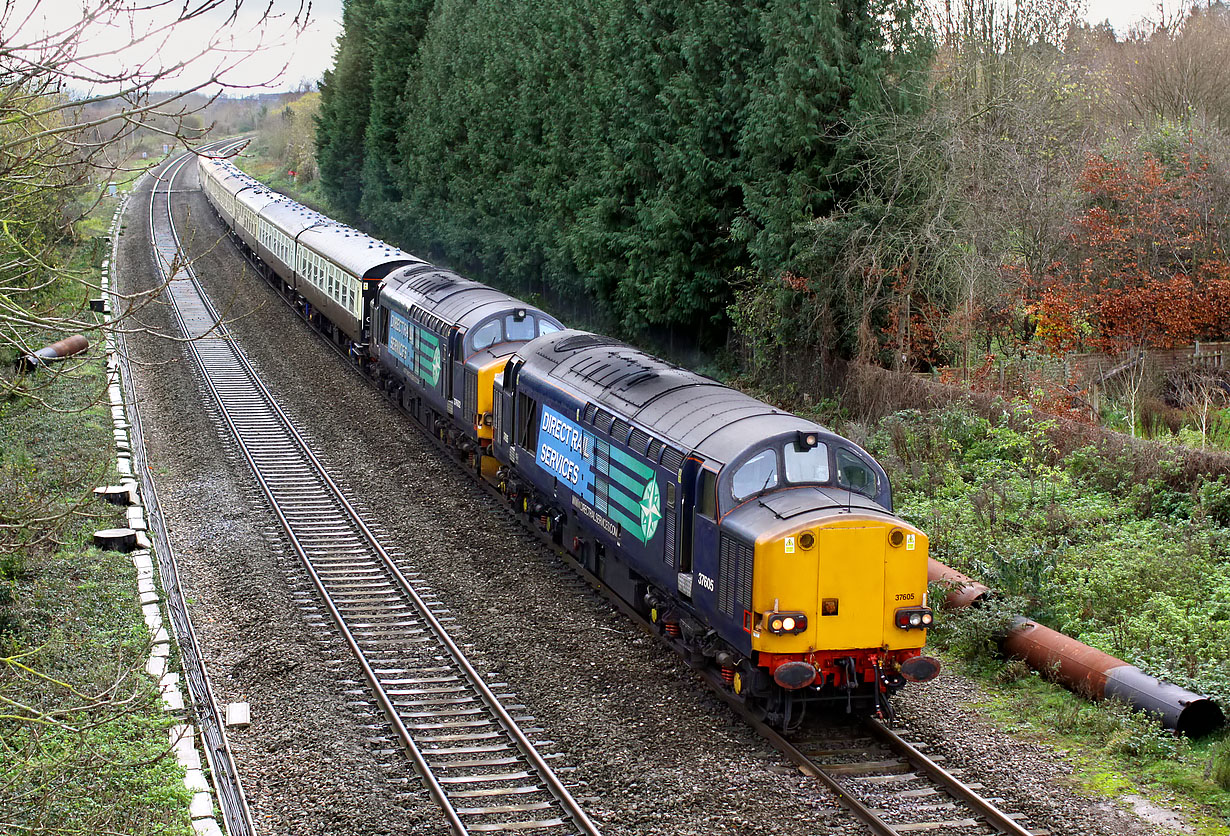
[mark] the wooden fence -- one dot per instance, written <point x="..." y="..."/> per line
<point x="1092" y="369"/>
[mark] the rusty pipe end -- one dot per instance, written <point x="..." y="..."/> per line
<point x="963" y="591"/>
<point x="66" y="347"/>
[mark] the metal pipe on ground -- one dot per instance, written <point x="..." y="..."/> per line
<point x="963" y="591"/>
<point x="1087" y="670"/>
<point x="1099" y="675"/>
<point x="66" y="347"/>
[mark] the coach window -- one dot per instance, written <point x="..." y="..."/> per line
<point x="759" y="473"/>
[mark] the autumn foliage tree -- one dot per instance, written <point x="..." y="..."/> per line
<point x="1147" y="266"/>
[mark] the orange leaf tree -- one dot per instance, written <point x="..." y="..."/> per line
<point x="1146" y="268"/>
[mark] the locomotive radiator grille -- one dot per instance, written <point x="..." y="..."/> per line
<point x="470" y="398"/>
<point x="734" y="580"/>
<point x="670" y="552"/>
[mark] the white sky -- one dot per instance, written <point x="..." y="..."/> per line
<point x="1123" y="14"/>
<point x="249" y="53"/>
<point x="278" y="57"/>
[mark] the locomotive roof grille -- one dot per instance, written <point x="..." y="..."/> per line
<point x="578" y="341"/>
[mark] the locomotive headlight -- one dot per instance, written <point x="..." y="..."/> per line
<point x="781" y="623"/>
<point x="908" y="618"/>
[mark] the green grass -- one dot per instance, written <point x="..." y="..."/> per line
<point x="83" y="742"/>
<point x="1115" y="752"/>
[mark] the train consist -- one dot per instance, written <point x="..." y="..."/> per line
<point x="762" y="546"/>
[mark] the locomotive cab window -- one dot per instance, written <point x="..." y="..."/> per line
<point x="854" y="474"/>
<point x="485" y="335"/>
<point x="757" y="474"/>
<point x="545" y="327"/>
<point x="519" y="330"/>
<point x="706" y="506"/>
<point x="806" y="465"/>
<point x="527" y="411"/>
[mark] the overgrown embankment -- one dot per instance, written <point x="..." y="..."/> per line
<point x="1119" y="542"/>
<point x="83" y="742"/>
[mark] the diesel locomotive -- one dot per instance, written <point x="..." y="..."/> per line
<point x="762" y="546"/>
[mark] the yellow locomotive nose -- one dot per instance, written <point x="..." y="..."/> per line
<point x="840" y="584"/>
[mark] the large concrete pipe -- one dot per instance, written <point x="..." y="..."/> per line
<point x="66" y="347"/>
<point x="1084" y="669"/>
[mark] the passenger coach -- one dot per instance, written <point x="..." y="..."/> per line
<point x="333" y="272"/>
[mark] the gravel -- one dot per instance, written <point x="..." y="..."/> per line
<point x="644" y="746"/>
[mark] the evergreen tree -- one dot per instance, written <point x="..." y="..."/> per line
<point x="345" y="102"/>
<point x="396" y="27"/>
<point x="631" y="155"/>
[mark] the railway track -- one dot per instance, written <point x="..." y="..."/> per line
<point x="890" y="785"/>
<point x="477" y="763"/>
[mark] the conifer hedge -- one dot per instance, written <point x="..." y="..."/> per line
<point x="634" y="154"/>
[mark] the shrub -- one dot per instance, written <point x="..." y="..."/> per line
<point x="1140" y="735"/>
<point x="1213" y="497"/>
<point x="1219" y="763"/>
<point x="974" y="633"/>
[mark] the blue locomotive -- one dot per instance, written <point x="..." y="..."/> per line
<point x="763" y="546"/>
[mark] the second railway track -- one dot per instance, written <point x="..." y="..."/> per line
<point x="477" y="763"/>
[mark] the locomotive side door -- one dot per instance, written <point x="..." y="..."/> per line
<point x="504" y="419"/>
<point x="699" y="523"/>
<point x="456" y="363"/>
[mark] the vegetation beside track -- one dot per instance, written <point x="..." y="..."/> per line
<point x="1128" y="555"/>
<point x="84" y="745"/>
